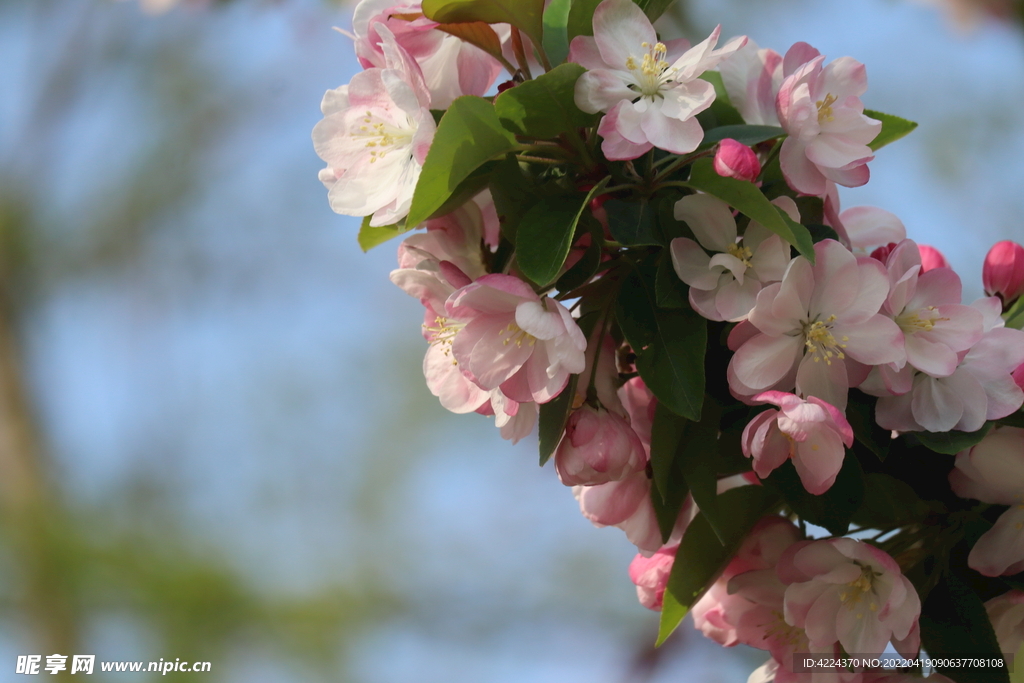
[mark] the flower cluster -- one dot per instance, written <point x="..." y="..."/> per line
<point x="640" y="254"/>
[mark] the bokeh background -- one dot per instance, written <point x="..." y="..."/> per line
<point x="215" y="440"/>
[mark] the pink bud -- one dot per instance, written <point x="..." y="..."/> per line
<point x="1003" y="273"/>
<point x="1018" y="376"/>
<point x="735" y="160"/>
<point x="598" y="447"/>
<point x="882" y="253"/>
<point x="931" y="258"/>
<point x="650" y="574"/>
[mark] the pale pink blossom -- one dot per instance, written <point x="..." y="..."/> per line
<point x="821" y="110"/>
<point x="818" y="329"/>
<point x="725" y="286"/>
<point x="846" y="591"/>
<point x="1003" y="273"/>
<point x="598" y="446"/>
<point x="640" y="405"/>
<point x="752" y="77"/>
<point x="812" y="432"/>
<point x="451" y="67"/>
<point x="649" y="91"/>
<point x="650" y="574"/>
<point x="1018" y="376"/>
<point x="931" y="258"/>
<point x="1006" y="612"/>
<point x="869" y="226"/>
<point x="515" y="420"/>
<point x="993" y="472"/>
<point x="735" y="160"/>
<point x="514" y="339"/>
<point x="374" y="137"/>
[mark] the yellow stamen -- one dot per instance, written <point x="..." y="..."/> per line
<point x="825" y="108"/>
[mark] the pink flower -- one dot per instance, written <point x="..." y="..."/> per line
<point x="993" y="472"/>
<point x="931" y="258"/>
<point x="1018" y="376"/>
<point x="725" y="286"/>
<point x="650" y="91"/>
<point x="845" y="591"/>
<point x="514" y="339"/>
<point x="639" y="404"/>
<point x="451" y="67"/>
<point x="1006" y="612"/>
<point x="820" y="108"/>
<point x="752" y="77"/>
<point x="1003" y="273"/>
<point x="870" y="226"/>
<point x="598" y="446"/>
<point x="650" y="574"/>
<point x="374" y="137"/>
<point x="813" y="324"/>
<point x="736" y="160"/>
<point x="811" y="432"/>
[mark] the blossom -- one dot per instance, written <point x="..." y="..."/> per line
<point x="931" y="258"/>
<point x="514" y="339"/>
<point x="993" y="472"/>
<point x="598" y="446"/>
<point x="813" y="324"/>
<point x="752" y="77"/>
<point x="374" y="137"/>
<point x="820" y="108"/>
<point x="870" y="226"/>
<point x="1003" y="272"/>
<point x="649" y="90"/>
<point x="811" y="432"/>
<point x="846" y="591"/>
<point x="650" y="574"/>
<point x="725" y="286"/>
<point x="640" y="405"/>
<point x="451" y="67"/>
<point x="735" y="160"/>
<point x="1006" y="612"/>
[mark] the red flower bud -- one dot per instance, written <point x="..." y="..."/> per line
<point x="735" y="160"/>
<point x="931" y="258"/>
<point x="1003" y="273"/>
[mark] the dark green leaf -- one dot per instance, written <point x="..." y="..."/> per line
<point x="526" y="15"/>
<point x="370" y="236"/>
<point x="544" y="107"/>
<point x="747" y="199"/>
<point x="653" y="8"/>
<point x="666" y="433"/>
<point x="889" y="503"/>
<point x="747" y="134"/>
<point x="696" y="457"/>
<point x="954" y="623"/>
<point x="951" y="443"/>
<point x="582" y="270"/>
<point x="822" y="232"/>
<point x="860" y="413"/>
<point x="467" y="189"/>
<point x="556" y="43"/>
<point x="468" y="136"/>
<point x="553" y="416"/>
<point x="1014" y="420"/>
<point x="670" y="291"/>
<point x="631" y="223"/>
<point x="833" y="509"/>
<point x="893" y="128"/>
<point x="701" y="557"/>
<point x="514" y="193"/>
<point x="581" y="18"/>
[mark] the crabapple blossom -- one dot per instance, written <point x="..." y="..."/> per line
<point x="374" y="137"/>
<point x="820" y="108"/>
<point x="650" y="574"/>
<point x="817" y="327"/>
<point x="1006" y="612"/>
<point x="725" y="286"/>
<point x="846" y="591"/>
<point x="598" y="446"/>
<point x="735" y="160"/>
<point x="993" y="472"/>
<point x="451" y="67"/>
<point x="640" y="405"/>
<point x="514" y="339"/>
<point x="1003" y="272"/>
<point x="1018" y="376"/>
<point x="812" y="432"/>
<point x="870" y="226"/>
<point x="931" y="258"/>
<point x="649" y="91"/>
<point x="752" y="77"/>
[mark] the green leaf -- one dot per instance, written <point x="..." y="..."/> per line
<point x="581" y="18"/>
<point x="833" y="509"/>
<point x="556" y="44"/>
<point x="888" y="503"/>
<point x="721" y="112"/>
<point x="951" y="443"/>
<point x="514" y="193"/>
<point x="370" y="236"/>
<point x="526" y="15"/>
<point x="670" y="346"/>
<point x="746" y="134"/>
<point x="553" y="416"/>
<point x="1013" y="420"/>
<point x="701" y="557"/>
<point x="954" y="623"/>
<point x="632" y="223"/>
<point x="747" y="199"/>
<point x="582" y="270"/>
<point x="545" y="234"/>
<point x="544" y="107"/>
<point x="669" y="290"/>
<point x="653" y="8"/>
<point x="667" y="431"/>
<point x="475" y="33"/>
<point x="860" y="413"/>
<point x="893" y="128"/>
<point x="1015" y="316"/>
<point x="696" y="457"/>
<point x="468" y="136"/>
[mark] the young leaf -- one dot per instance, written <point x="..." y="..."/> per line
<point x="468" y="136"/>
<point x="544" y="107"/>
<point x="526" y="15"/>
<point x="951" y="443"/>
<point x="701" y="557"/>
<point x="370" y="236"/>
<point x="893" y="128"/>
<point x="632" y="223"/>
<point x="581" y="18"/>
<point x="747" y="199"/>
<point x="476" y="33"/>
<point x="553" y="416"/>
<point x="556" y="43"/>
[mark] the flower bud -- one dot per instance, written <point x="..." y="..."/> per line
<point x="882" y="252"/>
<point x="735" y="160"/>
<point x="931" y="258"/>
<point x="650" y="574"/>
<point x="1003" y="274"/>
<point x="598" y="447"/>
<point x="1018" y="376"/>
